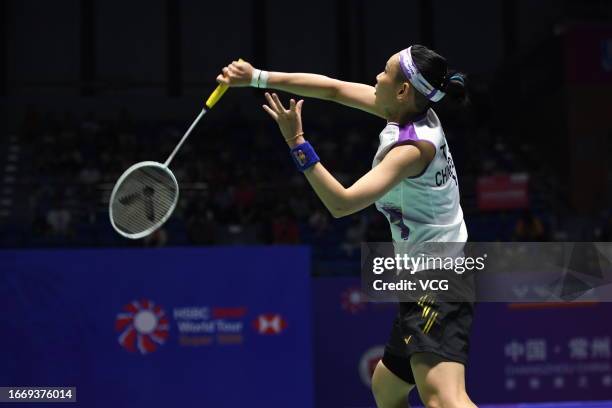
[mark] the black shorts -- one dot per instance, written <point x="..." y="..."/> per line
<point x="442" y="328"/>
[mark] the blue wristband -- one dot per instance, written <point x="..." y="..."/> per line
<point x="304" y="156"/>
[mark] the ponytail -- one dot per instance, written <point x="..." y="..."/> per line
<point x="454" y="86"/>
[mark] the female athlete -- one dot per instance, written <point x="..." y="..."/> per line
<point x="413" y="182"/>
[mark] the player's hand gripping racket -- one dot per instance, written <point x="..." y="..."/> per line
<point x="146" y="194"/>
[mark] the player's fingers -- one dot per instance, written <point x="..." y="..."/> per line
<point x="239" y="65"/>
<point x="225" y="71"/>
<point x="298" y="106"/>
<point x="278" y="103"/>
<point x="271" y="102"/>
<point x="233" y="69"/>
<point x="231" y="73"/>
<point x="243" y="65"/>
<point x="292" y="105"/>
<point x="270" y="112"/>
<point x="222" y="80"/>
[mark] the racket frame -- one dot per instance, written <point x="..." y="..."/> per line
<point x="120" y="181"/>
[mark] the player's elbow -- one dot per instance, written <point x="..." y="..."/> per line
<point x="345" y="204"/>
<point x="339" y="212"/>
<point x="336" y="211"/>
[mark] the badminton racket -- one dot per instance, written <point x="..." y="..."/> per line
<point x="146" y="194"/>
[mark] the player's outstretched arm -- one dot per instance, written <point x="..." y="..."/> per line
<point x="355" y="95"/>
<point x="401" y="162"/>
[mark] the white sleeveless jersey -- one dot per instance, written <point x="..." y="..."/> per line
<point x="424" y="208"/>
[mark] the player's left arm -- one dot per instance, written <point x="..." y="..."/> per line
<point x="401" y="162"/>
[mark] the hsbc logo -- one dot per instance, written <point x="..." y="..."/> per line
<point x="142" y="326"/>
<point x="269" y="324"/>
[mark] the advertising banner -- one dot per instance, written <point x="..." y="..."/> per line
<point x="502" y="192"/>
<point x="216" y="327"/>
<point x="531" y="352"/>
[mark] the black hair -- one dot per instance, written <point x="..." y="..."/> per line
<point x="434" y="68"/>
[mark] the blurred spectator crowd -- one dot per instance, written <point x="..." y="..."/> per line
<point x="238" y="185"/>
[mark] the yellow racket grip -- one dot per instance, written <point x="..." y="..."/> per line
<point x="217" y="93"/>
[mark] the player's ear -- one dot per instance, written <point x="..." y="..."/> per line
<point x="402" y="92"/>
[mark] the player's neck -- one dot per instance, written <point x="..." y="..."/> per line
<point x="404" y="117"/>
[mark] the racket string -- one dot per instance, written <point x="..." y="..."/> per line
<point x="143" y="199"/>
<point x="143" y="216"/>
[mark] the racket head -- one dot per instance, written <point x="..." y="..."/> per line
<point x="143" y="199"/>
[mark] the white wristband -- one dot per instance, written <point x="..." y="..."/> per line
<point x="259" y="79"/>
<point x="263" y="79"/>
<point x="255" y="77"/>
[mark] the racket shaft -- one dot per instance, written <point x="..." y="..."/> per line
<point x="178" y="146"/>
<point x="212" y="100"/>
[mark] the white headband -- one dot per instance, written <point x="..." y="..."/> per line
<point x="417" y="79"/>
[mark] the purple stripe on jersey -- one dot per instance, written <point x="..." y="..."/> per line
<point x="407" y="133"/>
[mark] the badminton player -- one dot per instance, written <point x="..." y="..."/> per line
<point x="413" y="182"/>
